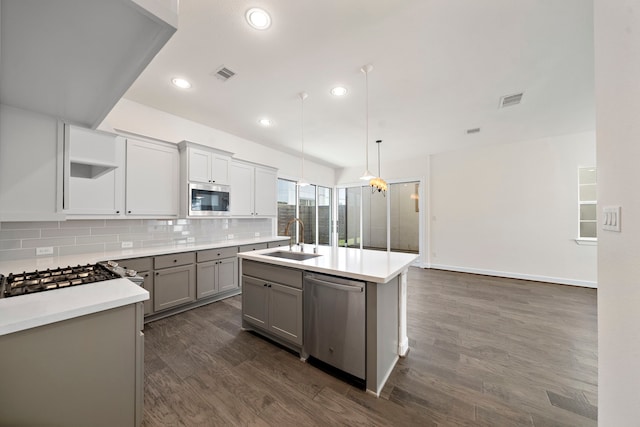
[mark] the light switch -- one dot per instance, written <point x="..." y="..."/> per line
<point x="611" y="218"/>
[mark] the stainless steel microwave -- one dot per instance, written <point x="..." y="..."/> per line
<point x="208" y="200"/>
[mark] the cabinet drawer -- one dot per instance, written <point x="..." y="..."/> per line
<point x="256" y="247"/>
<point x="137" y="264"/>
<point x="272" y="273"/>
<point x="174" y="260"/>
<point x="214" y="254"/>
<point x="278" y="243"/>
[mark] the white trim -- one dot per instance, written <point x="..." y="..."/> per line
<point x="536" y="278"/>
<point x="587" y="241"/>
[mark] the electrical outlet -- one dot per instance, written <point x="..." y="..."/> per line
<point x="229" y="236"/>
<point x="256" y="234"/>
<point x="127" y="245"/>
<point x="47" y="250"/>
<point x="191" y="239"/>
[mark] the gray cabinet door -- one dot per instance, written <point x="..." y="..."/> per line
<point x="148" y="285"/>
<point x="174" y="286"/>
<point x="285" y="312"/>
<point x="254" y="301"/>
<point x="207" y="284"/>
<point x="227" y="278"/>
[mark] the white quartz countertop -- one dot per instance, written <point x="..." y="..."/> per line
<point x="41" y="308"/>
<point x="28" y="311"/>
<point x="359" y="264"/>
<point x="42" y="263"/>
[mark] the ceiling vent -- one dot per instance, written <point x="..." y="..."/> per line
<point x="474" y="130"/>
<point x="509" y="100"/>
<point x="223" y="73"/>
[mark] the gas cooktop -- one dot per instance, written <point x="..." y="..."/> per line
<point x="38" y="281"/>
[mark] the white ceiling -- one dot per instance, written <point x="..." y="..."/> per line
<point x="440" y="68"/>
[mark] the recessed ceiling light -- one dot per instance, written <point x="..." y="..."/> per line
<point x="258" y="18"/>
<point x="265" y="122"/>
<point x="339" y="91"/>
<point x="181" y="83"/>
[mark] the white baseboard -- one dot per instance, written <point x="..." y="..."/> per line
<point x="536" y="278"/>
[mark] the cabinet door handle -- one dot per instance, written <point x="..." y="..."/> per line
<point x="117" y="211"/>
<point x="157" y="274"/>
<point x="175" y="260"/>
<point x="268" y="286"/>
<point x="128" y="211"/>
<point x="264" y="284"/>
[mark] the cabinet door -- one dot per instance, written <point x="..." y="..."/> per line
<point x="285" y="312"/>
<point x="254" y="301"/>
<point x="94" y="172"/>
<point x="174" y="286"/>
<point x="265" y="192"/>
<point x="219" y="169"/>
<point x="148" y="285"/>
<point x="241" y="182"/>
<point x="207" y="285"/>
<point x="199" y="165"/>
<point x="227" y="277"/>
<point x="152" y="179"/>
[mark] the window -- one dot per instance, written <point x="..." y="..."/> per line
<point x="287" y="206"/>
<point x="587" y="203"/>
<point x="312" y="204"/>
<point x="390" y="222"/>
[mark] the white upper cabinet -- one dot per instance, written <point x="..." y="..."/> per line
<point x="253" y="189"/>
<point x="204" y="164"/>
<point x="265" y="197"/>
<point x="152" y="179"/>
<point x="242" y="191"/>
<point x="93" y="172"/>
<point x="74" y="59"/>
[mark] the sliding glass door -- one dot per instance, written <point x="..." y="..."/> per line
<point x="380" y="222"/>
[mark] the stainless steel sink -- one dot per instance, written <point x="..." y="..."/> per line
<point x="297" y="256"/>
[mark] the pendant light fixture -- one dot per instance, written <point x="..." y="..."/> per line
<point x="366" y="176"/>
<point x="378" y="184"/>
<point x="303" y="96"/>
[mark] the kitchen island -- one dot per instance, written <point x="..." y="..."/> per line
<point x="274" y="286"/>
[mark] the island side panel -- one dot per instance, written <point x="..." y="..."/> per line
<point x="403" y="340"/>
<point x="78" y="372"/>
<point x="382" y="332"/>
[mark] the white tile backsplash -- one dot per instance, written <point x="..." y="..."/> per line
<point x="18" y="240"/>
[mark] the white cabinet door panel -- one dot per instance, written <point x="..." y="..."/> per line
<point x="241" y="182"/>
<point x="265" y="192"/>
<point x="152" y="179"/>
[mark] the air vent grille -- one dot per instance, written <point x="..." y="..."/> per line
<point x="474" y="130"/>
<point x="223" y="73"/>
<point x="509" y="100"/>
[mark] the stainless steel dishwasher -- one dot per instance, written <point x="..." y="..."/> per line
<point x="334" y="322"/>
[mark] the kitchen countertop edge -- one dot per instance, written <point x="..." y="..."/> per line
<point x="43" y="308"/>
<point x="358" y="264"/>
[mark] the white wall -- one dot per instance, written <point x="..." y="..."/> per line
<point x="143" y="120"/>
<point x="512" y="210"/>
<point x="617" y="48"/>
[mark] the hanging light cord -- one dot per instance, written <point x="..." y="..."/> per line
<point x="302" y="96"/>
<point x="379" y="142"/>
<point x="366" y="142"/>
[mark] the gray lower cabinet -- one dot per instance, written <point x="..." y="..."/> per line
<point x="174" y="286"/>
<point x="285" y="312"/>
<point x="217" y="271"/>
<point x="272" y="300"/>
<point x="85" y="371"/>
<point x="144" y="267"/>
<point x="217" y="276"/>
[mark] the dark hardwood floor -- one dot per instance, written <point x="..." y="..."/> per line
<point x="484" y="352"/>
